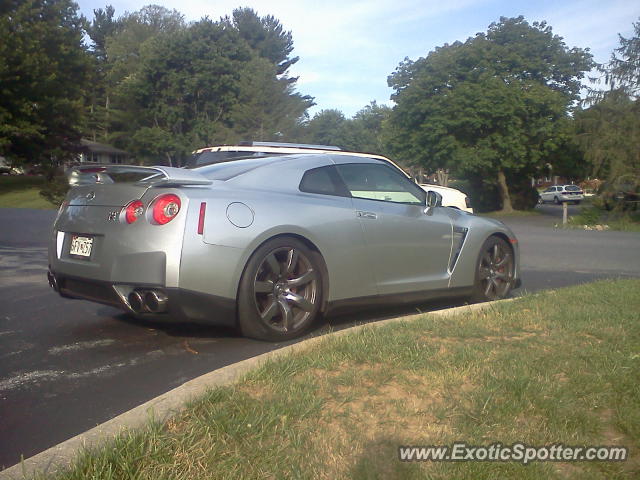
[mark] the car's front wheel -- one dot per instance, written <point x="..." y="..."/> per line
<point x="556" y="200"/>
<point x="280" y="291"/>
<point x="494" y="271"/>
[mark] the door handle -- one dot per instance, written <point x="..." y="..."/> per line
<point x="362" y="214"/>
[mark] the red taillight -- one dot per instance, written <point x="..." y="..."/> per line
<point x="133" y="211"/>
<point x="165" y="208"/>
<point x="203" y="210"/>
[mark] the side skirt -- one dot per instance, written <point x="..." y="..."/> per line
<point x="340" y="306"/>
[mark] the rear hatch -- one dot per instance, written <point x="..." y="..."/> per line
<point x="93" y="237"/>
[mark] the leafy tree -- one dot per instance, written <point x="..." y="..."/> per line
<point x="132" y="33"/>
<point x="43" y="74"/>
<point x="489" y="106"/>
<point x="368" y="128"/>
<point x="609" y="135"/>
<point x="185" y="86"/>
<point x="329" y="127"/>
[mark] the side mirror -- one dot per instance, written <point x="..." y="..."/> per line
<point x="434" y="199"/>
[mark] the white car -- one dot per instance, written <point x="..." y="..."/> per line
<point x="450" y="197"/>
<point x="562" y="193"/>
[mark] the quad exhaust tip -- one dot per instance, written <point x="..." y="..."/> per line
<point x="155" y="301"/>
<point x="144" y="301"/>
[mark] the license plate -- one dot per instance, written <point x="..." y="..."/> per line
<point x="81" y="246"/>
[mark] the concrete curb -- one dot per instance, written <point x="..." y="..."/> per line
<point x="168" y="404"/>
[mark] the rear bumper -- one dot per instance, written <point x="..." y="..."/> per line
<point x="570" y="198"/>
<point x="182" y="305"/>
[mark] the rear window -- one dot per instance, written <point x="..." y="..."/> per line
<point x="228" y="170"/>
<point x="322" y="180"/>
<point x="572" y="188"/>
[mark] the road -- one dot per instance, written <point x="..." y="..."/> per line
<point x="67" y="365"/>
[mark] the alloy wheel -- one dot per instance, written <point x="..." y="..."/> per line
<point x="496" y="271"/>
<point x="285" y="289"/>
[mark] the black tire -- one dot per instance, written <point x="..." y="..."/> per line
<point x="494" y="271"/>
<point x="284" y="304"/>
<point x="556" y="200"/>
<point x="577" y="202"/>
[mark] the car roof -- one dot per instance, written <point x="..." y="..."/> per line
<point x="240" y="166"/>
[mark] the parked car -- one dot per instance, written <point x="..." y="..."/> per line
<point x="562" y="193"/>
<point x="270" y="244"/>
<point x="451" y="197"/>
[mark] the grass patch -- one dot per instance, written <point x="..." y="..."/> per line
<point x="20" y="182"/>
<point x="22" y="191"/>
<point x="560" y="367"/>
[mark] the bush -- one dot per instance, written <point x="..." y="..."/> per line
<point x="55" y="190"/>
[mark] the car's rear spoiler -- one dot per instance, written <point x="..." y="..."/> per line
<point x="154" y="176"/>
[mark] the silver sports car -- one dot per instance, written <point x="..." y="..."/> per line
<point x="271" y="244"/>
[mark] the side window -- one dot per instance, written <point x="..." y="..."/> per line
<point x="379" y="182"/>
<point x="322" y="180"/>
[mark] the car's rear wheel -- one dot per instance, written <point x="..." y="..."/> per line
<point x="280" y="291"/>
<point x="494" y="271"/>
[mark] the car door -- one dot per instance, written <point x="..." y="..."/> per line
<point x="408" y="248"/>
<point x="547" y="195"/>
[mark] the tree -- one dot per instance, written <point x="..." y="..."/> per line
<point x="624" y="67"/>
<point x="102" y="27"/>
<point x="609" y="135"/>
<point x="184" y="88"/>
<point x="266" y="37"/>
<point x="608" y="131"/>
<point x="367" y="128"/>
<point x="43" y="74"/>
<point x="490" y="106"/>
<point x="267" y="109"/>
<point x="329" y="127"/>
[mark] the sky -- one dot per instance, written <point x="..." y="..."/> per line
<point x="348" y="48"/>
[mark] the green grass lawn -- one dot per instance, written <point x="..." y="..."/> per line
<point x="22" y="191"/>
<point x="558" y="367"/>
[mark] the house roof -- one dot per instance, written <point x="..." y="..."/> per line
<point x="96" y="147"/>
